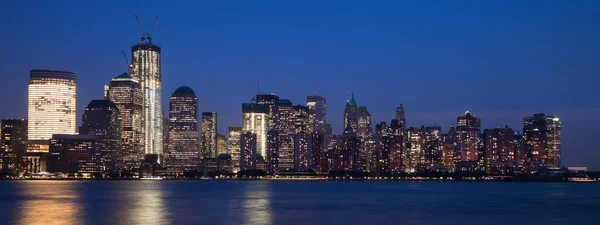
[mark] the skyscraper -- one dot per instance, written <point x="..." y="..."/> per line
<point x="221" y="144"/>
<point x="317" y="151"/>
<point x="499" y="150"/>
<point x="13" y="144"/>
<point x="449" y="152"/>
<point x="182" y="153"/>
<point x="126" y="94"/>
<point x="302" y="150"/>
<point x="400" y="115"/>
<point x="248" y="151"/>
<point x="273" y="151"/>
<point x="256" y="119"/>
<point x="286" y="128"/>
<point x="317" y="107"/>
<point x="209" y="135"/>
<point x="351" y="114"/>
<point x="234" y="146"/>
<point x="416" y="147"/>
<point x="146" y="69"/>
<point x="103" y="120"/>
<point x="51" y="105"/>
<point x="542" y="141"/>
<point x="433" y="151"/>
<point x="364" y="128"/>
<point x="468" y="130"/>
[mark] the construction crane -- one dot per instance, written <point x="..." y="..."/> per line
<point x="140" y="27"/>
<point x="248" y="96"/>
<point x="129" y="66"/>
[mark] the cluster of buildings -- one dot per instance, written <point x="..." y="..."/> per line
<point x="127" y="132"/>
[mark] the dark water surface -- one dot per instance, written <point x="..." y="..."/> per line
<point x="297" y="202"/>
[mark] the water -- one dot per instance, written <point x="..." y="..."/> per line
<point x="296" y="202"/>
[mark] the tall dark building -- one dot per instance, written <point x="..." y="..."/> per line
<point x="73" y="154"/>
<point x="400" y="115"/>
<point x="499" y="148"/>
<point x="449" y="150"/>
<point x="302" y="150"/>
<point x="355" y="161"/>
<point x="273" y="151"/>
<point x="209" y="138"/>
<point x="542" y="141"/>
<point x="182" y="152"/>
<point x="317" y="151"/>
<point x="433" y="151"/>
<point x="285" y="125"/>
<point x="126" y="94"/>
<point x="317" y="107"/>
<point x="351" y="115"/>
<point x="468" y="130"/>
<point x="248" y="151"/>
<point x="102" y="119"/>
<point x="13" y="144"/>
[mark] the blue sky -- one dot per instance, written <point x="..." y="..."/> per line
<point x="502" y="60"/>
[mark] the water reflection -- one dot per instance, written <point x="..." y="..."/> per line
<point x="50" y="203"/>
<point x="256" y="205"/>
<point x="148" y="204"/>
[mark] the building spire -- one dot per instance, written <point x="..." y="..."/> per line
<point x="352" y="101"/>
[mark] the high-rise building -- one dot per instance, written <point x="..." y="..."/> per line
<point x="468" y="130"/>
<point x="51" y="105"/>
<point x="269" y="100"/>
<point x="317" y="151"/>
<point x="542" y="141"/>
<point x="256" y="119"/>
<point x="146" y="69"/>
<point x="234" y="146"/>
<point x="355" y="161"/>
<point x="273" y="151"/>
<point x="499" y="148"/>
<point x="285" y="125"/>
<point x="413" y="156"/>
<point x="13" y="144"/>
<point x="126" y="94"/>
<point x="317" y="107"/>
<point x="248" y="151"/>
<point x="400" y="115"/>
<point x="364" y="129"/>
<point x="221" y="144"/>
<point x="209" y="135"/>
<point x="103" y="120"/>
<point x="302" y="150"/>
<point x="449" y="151"/>
<point x="73" y="154"/>
<point x="433" y="151"/>
<point x="182" y="152"/>
<point x="351" y="115"/>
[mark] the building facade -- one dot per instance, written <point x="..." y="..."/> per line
<point x="52" y="99"/>
<point x="248" y="151"/>
<point x="468" y="130"/>
<point x="234" y="146"/>
<point x="273" y="151"/>
<point x="103" y="120"/>
<point x="499" y="150"/>
<point x="221" y="144"/>
<point x="146" y="69"/>
<point x="209" y="135"/>
<point x="183" y="142"/>
<point x="73" y="154"/>
<point x="13" y="144"/>
<point x="256" y="120"/>
<point x="542" y="141"/>
<point x="126" y="94"/>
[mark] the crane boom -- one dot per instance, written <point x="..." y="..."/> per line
<point x="139" y="26"/>
<point x="154" y="26"/>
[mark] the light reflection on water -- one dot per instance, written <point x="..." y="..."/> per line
<point x="295" y="203"/>
<point x="257" y="208"/>
<point x="49" y="203"/>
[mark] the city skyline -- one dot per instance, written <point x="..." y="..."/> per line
<point x="575" y="115"/>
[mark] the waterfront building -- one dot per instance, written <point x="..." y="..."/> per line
<point x="209" y="135"/>
<point x="183" y="137"/>
<point x="248" y="150"/>
<point x="273" y="151"/>
<point x="499" y="151"/>
<point x="317" y="151"/>
<point x="74" y="154"/>
<point x="286" y="128"/>
<point x="302" y="150"/>
<point x="468" y="130"/>
<point x="542" y="142"/>
<point x="256" y="119"/>
<point x="221" y="144"/>
<point x="146" y="69"/>
<point x="234" y="146"/>
<point x="126" y="93"/>
<point x="103" y="120"/>
<point x="13" y="144"/>
<point x="317" y="107"/>
<point x="449" y="151"/>
<point x="433" y="149"/>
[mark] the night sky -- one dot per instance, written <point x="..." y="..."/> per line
<point x="502" y="60"/>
